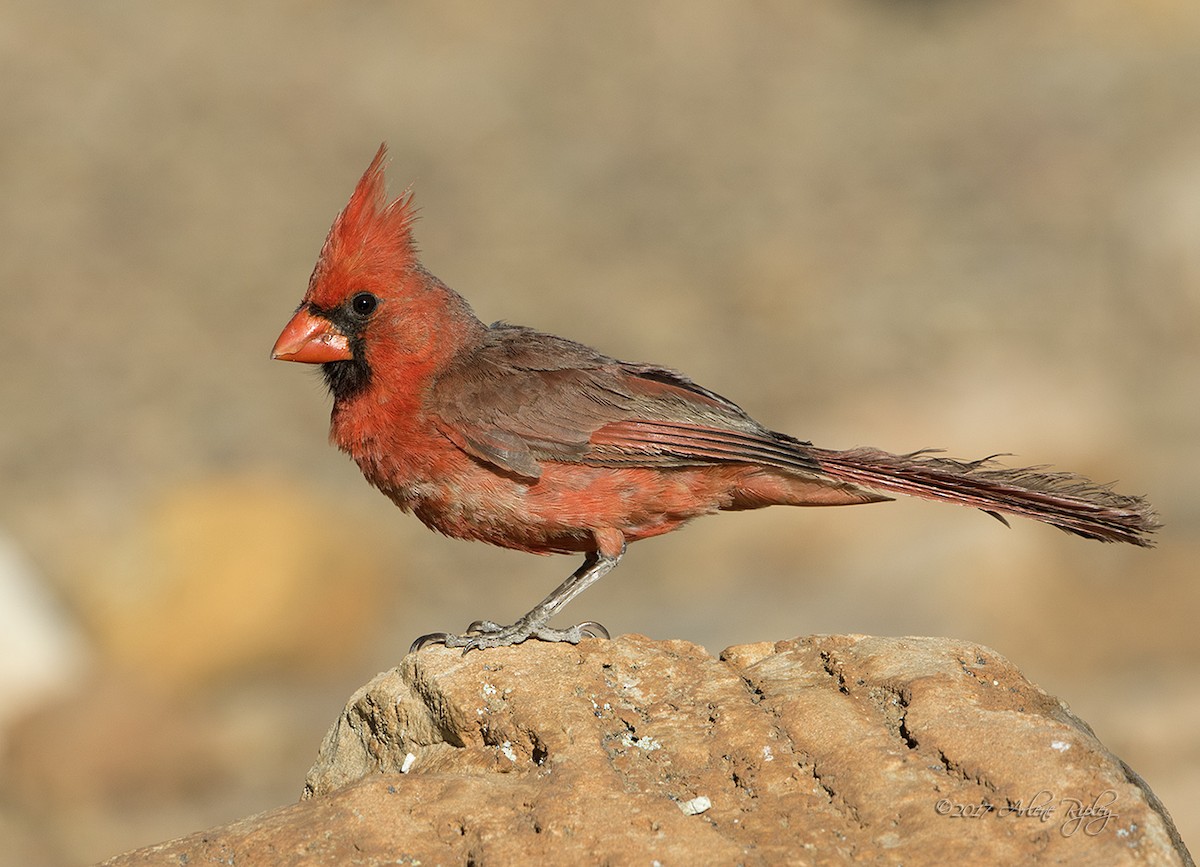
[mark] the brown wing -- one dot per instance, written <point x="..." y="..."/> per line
<point x="525" y="397"/>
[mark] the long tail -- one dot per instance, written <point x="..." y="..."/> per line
<point x="1064" y="500"/>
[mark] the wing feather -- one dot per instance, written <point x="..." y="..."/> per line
<point x="524" y="397"/>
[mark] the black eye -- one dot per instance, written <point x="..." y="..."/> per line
<point x="363" y="304"/>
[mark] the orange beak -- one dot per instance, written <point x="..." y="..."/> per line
<point x="311" y="340"/>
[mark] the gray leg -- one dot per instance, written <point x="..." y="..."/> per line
<point x="483" y="634"/>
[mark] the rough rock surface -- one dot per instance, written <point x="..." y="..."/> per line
<point x="818" y="750"/>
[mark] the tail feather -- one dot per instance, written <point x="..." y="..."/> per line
<point x="1064" y="500"/>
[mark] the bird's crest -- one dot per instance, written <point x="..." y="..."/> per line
<point x="371" y="238"/>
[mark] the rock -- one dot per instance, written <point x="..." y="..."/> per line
<point x="229" y="575"/>
<point x="818" y="750"/>
<point x="42" y="650"/>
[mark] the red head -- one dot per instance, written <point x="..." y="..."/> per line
<point x="370" y="242"/>
<point x="369" y="301"/>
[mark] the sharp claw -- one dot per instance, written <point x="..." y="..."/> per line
<point x="426" y="640"/>
<point x="593" y="629"/>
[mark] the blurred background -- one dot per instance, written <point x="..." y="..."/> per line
<point x="973" y="225"/>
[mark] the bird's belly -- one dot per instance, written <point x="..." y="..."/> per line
<point x="562" y="510"/>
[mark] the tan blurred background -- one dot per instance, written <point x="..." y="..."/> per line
<point x="963" y="224"/>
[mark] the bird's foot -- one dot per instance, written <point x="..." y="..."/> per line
<point x="483" y="634"/>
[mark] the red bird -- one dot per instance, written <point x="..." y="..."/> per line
<point x="530" y="441"/>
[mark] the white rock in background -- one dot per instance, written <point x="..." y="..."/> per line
<point x="41" y="650"/>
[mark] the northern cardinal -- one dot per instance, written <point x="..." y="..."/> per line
<point x="530" y="441"/>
